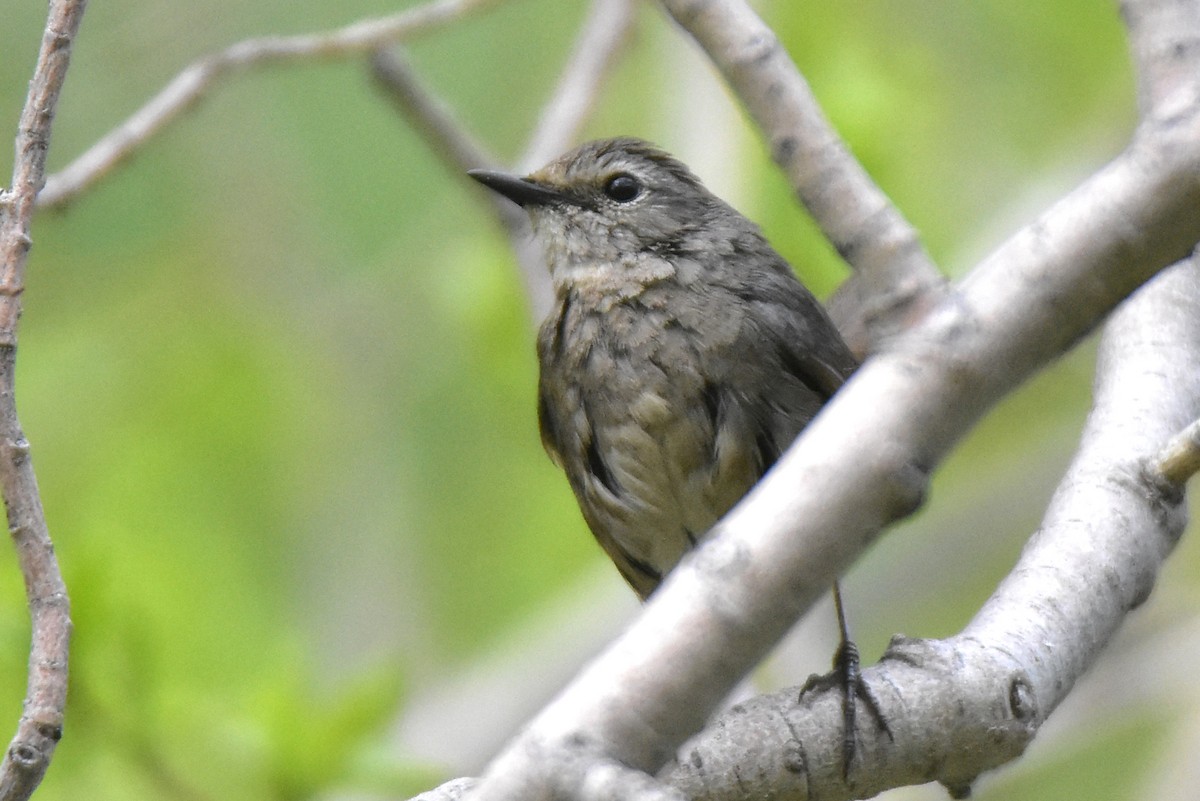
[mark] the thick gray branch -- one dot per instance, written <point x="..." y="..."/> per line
<point x="960" y="706"/>
<point x="970" y="703"/>
<point x="864" y="462"/>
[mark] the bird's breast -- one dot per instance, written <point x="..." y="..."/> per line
<point x="632" y="412"/>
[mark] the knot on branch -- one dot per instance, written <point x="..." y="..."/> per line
<point x="31" y="749"/>
<point x="905" y="480"/>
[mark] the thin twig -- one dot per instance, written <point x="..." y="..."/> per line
<point x="1180" y="459"/>
<point x="604" y="32"/>
<point x="195" y="81"/>
<point x="433" y="118"/>
<point x="40" y="727"/>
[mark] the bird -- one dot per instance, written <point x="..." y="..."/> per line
<point x="680" y="359"/>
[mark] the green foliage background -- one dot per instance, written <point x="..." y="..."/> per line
<point x="278" y="377"/>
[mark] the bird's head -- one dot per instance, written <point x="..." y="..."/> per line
<point x="610" y="202"/>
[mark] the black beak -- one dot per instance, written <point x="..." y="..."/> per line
<point x="521" y="191"/>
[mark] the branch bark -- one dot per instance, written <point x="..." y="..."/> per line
<point x="40" y="727"/>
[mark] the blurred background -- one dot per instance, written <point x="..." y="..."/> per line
<point x="279" y="380"/>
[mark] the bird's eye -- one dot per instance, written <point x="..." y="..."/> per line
<point x="623" y="188"/>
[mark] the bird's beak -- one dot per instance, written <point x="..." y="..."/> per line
<point x="521" y="191"/>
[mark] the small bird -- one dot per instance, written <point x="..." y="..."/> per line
<point x="682" y="356"/>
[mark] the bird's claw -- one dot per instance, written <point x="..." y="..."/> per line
<point x="854" y="688"/>
<point x="849" y="679"/>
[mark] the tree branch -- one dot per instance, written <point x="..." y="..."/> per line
<point x="199" y="77"/>
<point x="434" y="121"/>
<point x="864" y="462"/>
<point x="895" y="279"/>
<point x="1108" y="529"/>
<point x="40" y="727"/>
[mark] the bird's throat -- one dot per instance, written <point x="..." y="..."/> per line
<point x="603" y="285"/>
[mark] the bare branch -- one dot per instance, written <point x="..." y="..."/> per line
<point x="895" y="278"/>
<point x="864" y="463"/>
<point x="1106" y="533"/>
<point x="781" y="746"/>
<point x="1107" y="529"/>
<point x="40" y="727"/>
<point x="605" y="30"/>
<point x="434" y="120"/>
<point x="198" y="78"/>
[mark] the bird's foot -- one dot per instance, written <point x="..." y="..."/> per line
<point x="854" y="689"/>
